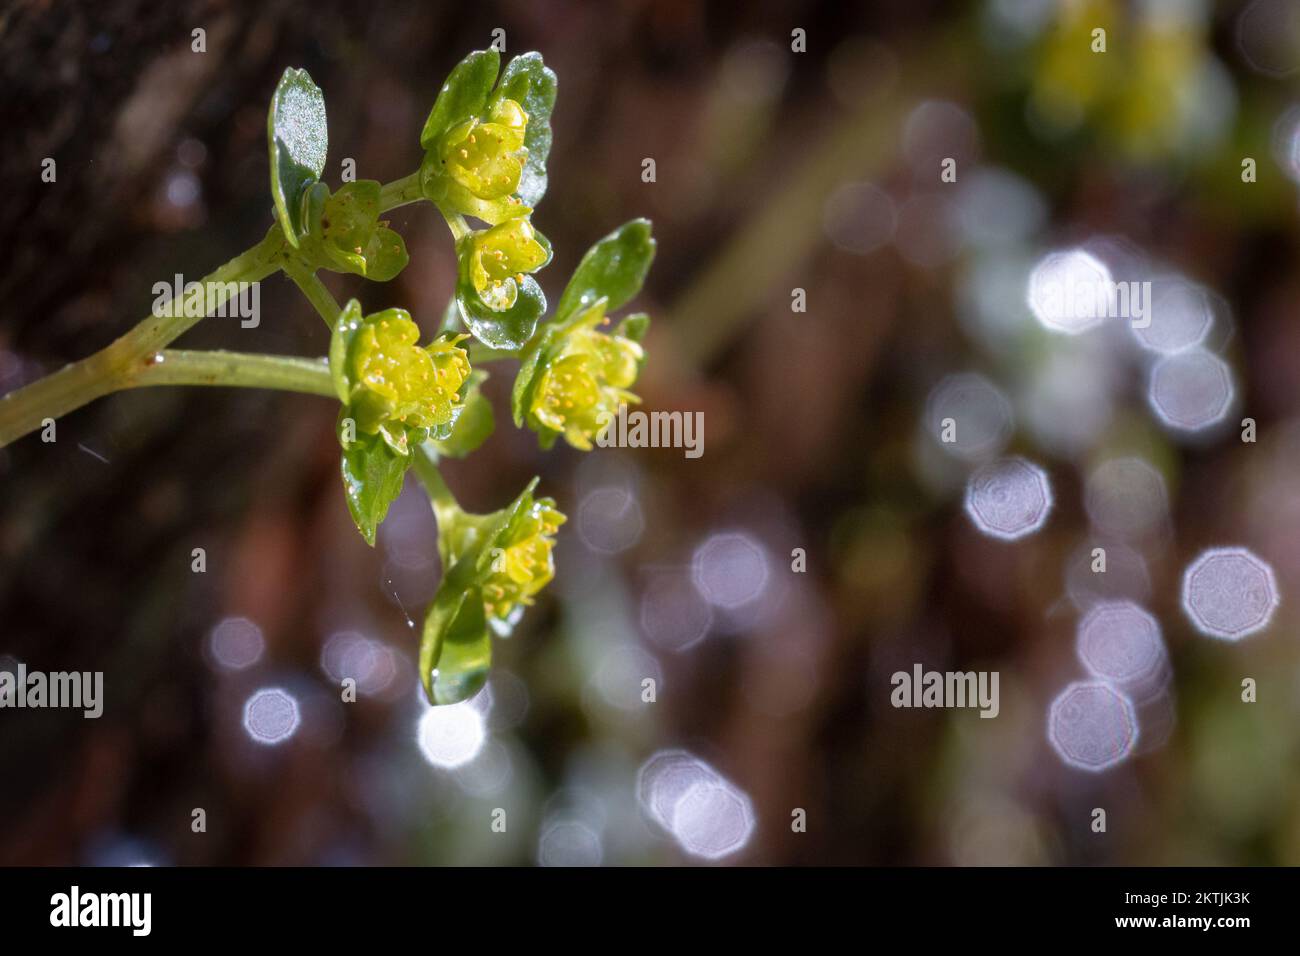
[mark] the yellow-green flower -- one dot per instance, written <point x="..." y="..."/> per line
<point x="475" y="167"/>
<point x="486" y="157"/>
<point x="498" y="259"/>
<point x="580" y="388"/>
<point x="523" y="565"/>
<point x="398" y="382"/>
<point x="355" y="239"/>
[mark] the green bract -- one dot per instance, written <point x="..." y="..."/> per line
<point x="573" y="377"/>
<point x="493" y="566"/>
<point x="298" y="139"/>
<point x="463" y="95"/>
<point x="528" y="82"/>
<point x="614" y="269"/>
<point x="474" y="425"/>
<point x="372" y="479"/>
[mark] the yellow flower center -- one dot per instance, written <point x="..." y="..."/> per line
<point x="486" y="157"/>
<point x="404" y="382"/>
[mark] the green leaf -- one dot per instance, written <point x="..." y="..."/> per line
<point x="450" y="317"/>
<point x="634" y="327"/>
<point x="465" y="94"/>
<point x="298" y="139"/>
<point x="345" y="328"/>
<point x="508" y="328"/>
<point x="475" y="423"/>
<point x="529" y="82"/>
<point x="372" y="479"/>
<point x="615" y="267"/>
<point x="456" y="646"/>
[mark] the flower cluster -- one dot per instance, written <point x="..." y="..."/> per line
<point x="498" y="259"/>
<point x="475" y="167"/>
<point x="399" y="381"/>
<point x="406" y="405"/>
<point x="345" y="234"/>
<point x="523" y="565"/>
<point x="585" y="380"/>
<point x="494" y="565"/>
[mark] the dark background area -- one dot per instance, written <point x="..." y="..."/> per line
<point x="810" y="427"/>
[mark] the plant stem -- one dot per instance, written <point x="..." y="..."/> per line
<point x="455" y="222"/>
<point x="132" y="359"/>
<point x="480" y="354"/>
<point x="167" y="324"/>
<point x="287" y="373"/>
<point x="316" y="293"/>
<point x="425" y="459"/>
<point x="28" y="408"/>
<point x="23" y="410"/>
<point x="400" y="192"/>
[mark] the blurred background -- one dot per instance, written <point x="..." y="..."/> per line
<point x="776" y="171"/>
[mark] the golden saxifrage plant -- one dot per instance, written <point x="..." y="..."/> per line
<point x="404" y="404"/>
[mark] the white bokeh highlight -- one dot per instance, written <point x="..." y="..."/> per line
<point x="1120" y="642"/>
<point x="352" y="655"/>
<point x="1229" y="593"/>
<point x="236" y="643"/>
<point x="1126" y="576"/>
<point x="1092" y="725"/>
<point x="1180" y="316"/>
<point x="1070" y="291"/>
<point x="730" y="569"/>
<point x="708" y="816"/>
<point x="1008" y="499"/>
<point x="978" y="412"/>
<point x="674" y="617"/>
<point x="1126" y="498"/>
<point x="998" y="208"/>
<point x="271" y="716"/>
<point x="451" y="735"/>
<point x="1191" y="391"/>
<point x="609" y="519"/>
<point x="569" y="843"/>
<point x="1268" y="36"/>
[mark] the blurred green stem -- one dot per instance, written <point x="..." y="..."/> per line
<point x="25" y="409"/>
<point x="239" y="369"/>
<point x="136" y="358"/>
<point x="480" y="354"/>
<point x="456" y="223"/>
<point x="319" y="296"/>
<point x="445" y="506"/>
<point x="400" y="192"/>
